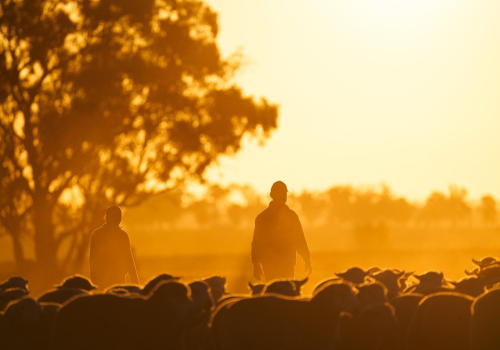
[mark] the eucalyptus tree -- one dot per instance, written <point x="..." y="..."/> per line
<point x="106" y="102"/>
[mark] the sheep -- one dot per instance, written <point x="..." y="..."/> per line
<point x="202" y="297"/>
<point x="373" y="270"/>
<point x="77" y="281"/>
<point x="217" y="286"/>
<point x="390" y="279"/>
<point x="216" y="331"/>
<point x="124" y="289"/>
<point x="3" y="331"/>
<point x="403" y="281"/>
<point x="372" y="328"/>
<point x="470" y="285"/>
<point x="10" y="295"/>
<point x="485" y="262"/>
<point x="197" y="335"/>
<point x="152" y="283"/>
<point x="354" y="275"/>
<point x="14" y="282"/>
<point x="490" y="274"/>
<point x="324" y="282"/>
<point x="482" y="264"/>
<point x="372" y="293"/>
<point x="405" y="306"/>
<point x="49" y="313"/>
<point x="61" y="295"/>
<point x="285" y="287"/>
<point x="262" y="322"/>
<point x="117" y="291"/>
<point x="441" y="322"/>
<point x="23" y="325"/>
<point x="280" y="322"/>
<point x="485" y="321"/>
<point x="256" y="288"/>
<point x="107" y="321"/>
<point x="430" y="282"/>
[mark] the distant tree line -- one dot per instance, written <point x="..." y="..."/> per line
<point x="343" y="205"/>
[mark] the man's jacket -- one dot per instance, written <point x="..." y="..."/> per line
<point x="278" y="235"/>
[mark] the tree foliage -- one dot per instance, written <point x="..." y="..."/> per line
<point x="342" y="206"/>
<point x="488" y="209"/>
<point x="440" y="207"/>
<point x="107" y="102"/>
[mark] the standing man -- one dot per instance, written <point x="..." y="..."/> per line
<point x="110" y="252"/>
<point x="278" y="235"/>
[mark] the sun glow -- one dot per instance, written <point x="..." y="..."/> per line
<point x="398" y="9"/>
<point x="370" y="91"/>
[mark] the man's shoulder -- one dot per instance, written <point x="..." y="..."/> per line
<point x="262" y="214"/>
<point x="106" y="230"/>
<point x="291" y="212"/>
<point x="97" y="232"/>
<point x="269" y="212"/>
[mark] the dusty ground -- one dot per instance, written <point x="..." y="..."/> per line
<point x="227" y="253"/>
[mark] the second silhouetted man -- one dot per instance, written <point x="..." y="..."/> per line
<point x="110" y="252"/>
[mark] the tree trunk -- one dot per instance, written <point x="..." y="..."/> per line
<point x="81" y="259"/>
<point x="18" y="251"/>
<point x="45" y="242"/>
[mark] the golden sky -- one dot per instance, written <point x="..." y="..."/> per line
<point x="396" y="91"/>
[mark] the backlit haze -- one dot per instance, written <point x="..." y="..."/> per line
<point x="401" y="92"/>
<point x="387" y="100"/>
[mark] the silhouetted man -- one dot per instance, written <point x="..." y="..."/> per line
<point x="110" y="253"/>
<point x="278" y="235"/>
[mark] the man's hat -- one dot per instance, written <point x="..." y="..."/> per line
<point x="279" y="186"/>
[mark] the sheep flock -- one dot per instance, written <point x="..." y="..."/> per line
<point x="358" y="309"/>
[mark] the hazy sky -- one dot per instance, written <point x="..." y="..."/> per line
<point x="396" y="91"/>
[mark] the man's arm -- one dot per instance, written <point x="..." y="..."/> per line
<point x="302" y="247"/>
<point x="131" y="270"/>
<point x="256" y="250"/>
<point x="91" y="259"/>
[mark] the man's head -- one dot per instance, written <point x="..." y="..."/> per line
<point x="113" y="215"/>
<point x="279" y="192"/>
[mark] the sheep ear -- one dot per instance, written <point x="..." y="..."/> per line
<point x="408" y="274"/>
<point x="418" y="277"/>
<point x="373" y="270"/>
<point x="476" y="262"/>
<point x="251" y="286"/>
<point x="300" y="283"/>
<point x="400" y="273"/>
<point x="489" y="286"/>
<point x="176" y="277"/>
